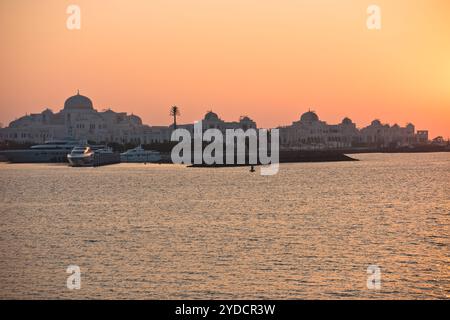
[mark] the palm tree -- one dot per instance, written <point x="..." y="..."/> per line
<point x="174" y="112"/>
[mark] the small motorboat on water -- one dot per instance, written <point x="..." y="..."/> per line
<point x="140" y="155"/>
<point x="81" y="156"/>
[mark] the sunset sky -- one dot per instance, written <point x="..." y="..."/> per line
<point x="271" y="60"/>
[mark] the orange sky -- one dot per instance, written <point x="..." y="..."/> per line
<point x="268" y="59"/>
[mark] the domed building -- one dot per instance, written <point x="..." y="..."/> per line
<point x="347" y="121"/>
<point x="309" y="117"/>
<point x="376" y="122"/>
<point x="211" y="120"/>
<point x="211" y="116"/>
<point x="135" y="119"/>
<point x="78" y="103"/>
<point x="79" y="120"/>
<point x="311" y="133"/>
<point x="384" y="135"/>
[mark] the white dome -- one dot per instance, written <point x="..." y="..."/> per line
<point x="309" y="116"/>
<point x="78" y="102"/>
<point x="211" y="116"/>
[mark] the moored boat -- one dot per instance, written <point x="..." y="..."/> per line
<point x="81" y="156"/>
<point x="140" y="155"/>
<point x="50" y="151"/>
<point x="105" y="156"/>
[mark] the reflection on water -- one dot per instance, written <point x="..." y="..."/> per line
<point x="166" y="231"/>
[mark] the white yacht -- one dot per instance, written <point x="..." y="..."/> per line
<point x="56" y="144"/>
<point x="81" y="156"/>
<point x="104" y="150"/>
<point x="50" y="151"/>
<point x="139" y="154"/>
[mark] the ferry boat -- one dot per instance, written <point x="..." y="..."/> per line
<point x="140" y="155"/>
<point x="50" y="151"/>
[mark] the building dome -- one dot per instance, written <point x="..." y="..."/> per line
<point x="78" y="102"/>
<point x="135" y="119"/>
<point x="245" y="119"/>
<point x="376" y="122"/>
<point x="347" y="121"/>
<point x="47" y="111"/>
<point x="211" y="116"/>
<point x="309" y="116"/>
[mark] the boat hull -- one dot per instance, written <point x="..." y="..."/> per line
<point x="94" y="160"/>
<point x="81" y="161"/>
<point x="102" y="159"/>
<point x="140" y="158"/>
<point x="35" y="156"/>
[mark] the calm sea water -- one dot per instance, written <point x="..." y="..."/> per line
<point x="166" y="231"/>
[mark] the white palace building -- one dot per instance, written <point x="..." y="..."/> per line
<point x="312" y="133"/>
<point x="79" y="120"/>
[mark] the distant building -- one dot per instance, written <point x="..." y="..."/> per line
<point x="79" y="120"/>
<point x="383" y="135"/>
<point x="312" y="133"/>
<point x="439" y="141"/>
<point x="212" y="121"/>
<point x="422" y="136"/>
